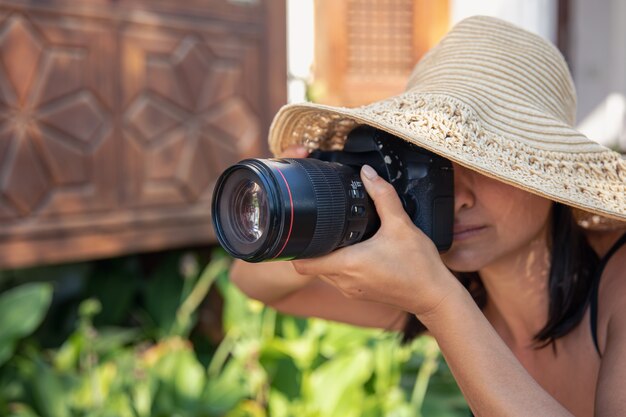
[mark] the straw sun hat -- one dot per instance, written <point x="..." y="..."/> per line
<point x="493" y="98"/>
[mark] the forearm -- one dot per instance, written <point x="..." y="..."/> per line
<point x="492" y="379"/>
<point x="267" y="281"/>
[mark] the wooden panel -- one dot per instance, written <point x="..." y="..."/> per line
<point x="57" y="102"/>
<point x="117" y="117"/>
<point x="186" y="116"/>
<point x="365" y="49"/>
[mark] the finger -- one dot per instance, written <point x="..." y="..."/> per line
<point x="323" y="265"/>
<point x="294" y="151"/>
<point x="386" y="200"/>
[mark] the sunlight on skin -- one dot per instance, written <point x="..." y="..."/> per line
<point x="510" y="251"/>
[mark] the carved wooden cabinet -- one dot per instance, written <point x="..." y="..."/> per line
<point x="117" y="116"/>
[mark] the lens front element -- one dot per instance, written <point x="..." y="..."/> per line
<point x="250" y="209"/>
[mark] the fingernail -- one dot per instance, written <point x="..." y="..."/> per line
<point x="369" y="172"/>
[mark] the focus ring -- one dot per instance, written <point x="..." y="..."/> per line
<point x="331" y="202"/>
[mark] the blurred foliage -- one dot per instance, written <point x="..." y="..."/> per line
<point x="119" y="339"/>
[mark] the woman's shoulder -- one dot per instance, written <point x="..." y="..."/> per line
<point x="614" y="263"/>
<point x="610" y="395"/>
<point x="613" y="280"/>
<point x="612" y="295"/>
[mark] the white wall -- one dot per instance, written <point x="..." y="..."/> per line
<point x="598" y="55"/>
<point x="300" y="47"/>
<point x="538" y="16"/>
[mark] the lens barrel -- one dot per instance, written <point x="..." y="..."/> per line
<point x="266" y="209"/>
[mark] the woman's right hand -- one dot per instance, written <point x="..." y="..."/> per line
<point x="278" y="284"/>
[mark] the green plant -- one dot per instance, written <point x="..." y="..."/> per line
<point x="268" y="364"/>
<point x="312" y="367"/>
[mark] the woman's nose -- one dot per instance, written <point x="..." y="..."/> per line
<point x="463" y="191"/>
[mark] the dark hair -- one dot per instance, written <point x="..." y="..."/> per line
<point x="573" y="262"/>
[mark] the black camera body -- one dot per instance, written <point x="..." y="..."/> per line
<point x="423" y="180"/>
<point x="284" y="208"/>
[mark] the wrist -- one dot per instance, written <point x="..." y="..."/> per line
<point x="449" y="307"/>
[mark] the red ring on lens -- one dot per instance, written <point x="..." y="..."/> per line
<point x="291" y="217"/>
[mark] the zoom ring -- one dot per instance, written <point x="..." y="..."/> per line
<point x="331" y="204"/>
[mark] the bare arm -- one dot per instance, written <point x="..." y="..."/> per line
<point x="492" y="379"/>
<point x="281" y="287"/>
<point x="268" y="281"/>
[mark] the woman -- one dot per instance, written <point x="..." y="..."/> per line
<point x="532" y="321"/>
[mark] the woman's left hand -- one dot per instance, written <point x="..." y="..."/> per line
<point x="399" y="265"/>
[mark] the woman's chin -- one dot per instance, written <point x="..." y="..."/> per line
<point x="462" y="262"/>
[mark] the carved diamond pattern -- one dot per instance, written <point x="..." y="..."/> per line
<point x="20" y="50"/>
<point x="195" y="93"/>
<point x="62" y="75"/>
<point x="151" y="119"/>
<point x="26" y="191"/>
<point x="191" y="64"/>
<point x="235" y="119"/>
<point x="220" y="84"/>
<point x="55" y="126"/>
<point x="80" y="116"/>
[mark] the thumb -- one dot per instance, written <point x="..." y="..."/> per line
<point x="294" y="151"/>
<point x="386" y="200"/>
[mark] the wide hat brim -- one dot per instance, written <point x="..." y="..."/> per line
<point x="491" y="97"/>
<point x="579" y="172"/>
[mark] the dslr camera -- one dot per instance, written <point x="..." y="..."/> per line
<point x="294" y="208"/>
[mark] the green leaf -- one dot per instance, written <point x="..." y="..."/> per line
<point x="278" y="404"/>
<point x="6" y="350"/>
<point x="68" y="355"/>
<point x="282" y="372"/>
<point x="47" y="392"/>
<point x="339" y="337"/>
<point x="143" y="391"/>
<point x="333" y="383"/>
<point x="21" y="311"/>
<point x="95" y="389"/>
<point x="189" y="380"/>
<point x="226" y="391"/>
<point x="291" y="327"/>
<point x="241" y="315"/>
<point x="112" y="338"/>
<point x="303" y="352"/>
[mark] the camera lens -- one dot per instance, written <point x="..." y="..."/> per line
<point x="267" y="209"/>
<point x="250" y="209"/>
<point x="283" y="209"/>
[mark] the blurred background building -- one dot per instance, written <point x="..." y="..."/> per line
<point x="116" y="117"/>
